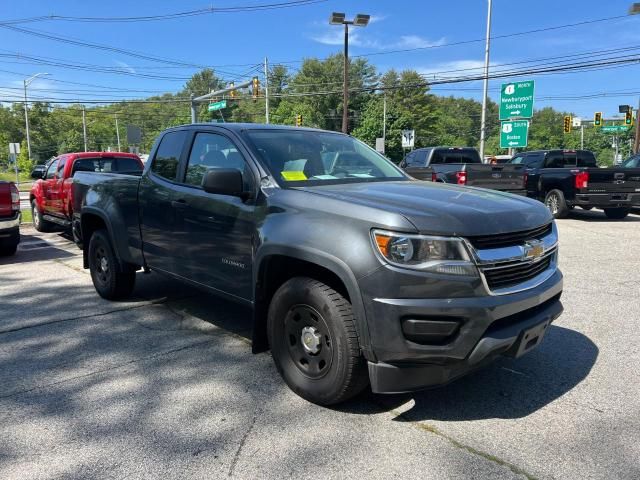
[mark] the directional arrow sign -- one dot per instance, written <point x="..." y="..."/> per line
<point x="217" y="105"/>
<point x="516" y="100"/>
<point x="514" y="134"/>
<point x="614" y="128"/>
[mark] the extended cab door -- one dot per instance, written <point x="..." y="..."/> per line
<point x="215" y="232"/>
<point x="415" y="164"/>
<point x="159" y="210"/>
<point x="48" y="182"/>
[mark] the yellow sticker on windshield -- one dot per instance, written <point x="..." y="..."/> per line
<point x="293" y="176"/>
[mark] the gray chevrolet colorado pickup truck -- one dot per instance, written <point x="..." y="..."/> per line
<point x="356" y="273"/>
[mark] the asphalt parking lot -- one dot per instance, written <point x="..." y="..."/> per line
<point x="165" y="385"/>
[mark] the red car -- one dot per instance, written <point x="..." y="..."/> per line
<point x="51" y="195"/>
<point x="9" y="218"/>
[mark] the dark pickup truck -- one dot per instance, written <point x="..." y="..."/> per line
<point x="355" y="272"/>
<point x="463" y="166"/>
<point x="564" y="179"/>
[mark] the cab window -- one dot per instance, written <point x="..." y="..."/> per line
<point x="212" y="150"/>
<point x="60" y="170"/>
<point x="51" y="171"/>
<point x="167" y="158"/>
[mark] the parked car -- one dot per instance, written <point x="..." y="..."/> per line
<point x="356" y="272"/>
<point x="631" y="162"/>
<point x="463" y="166"/>
<point x="564" y="179"/>
<point x="9" y="218"/>
<point x="51" y="195"/>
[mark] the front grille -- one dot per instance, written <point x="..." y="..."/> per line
<point x="508" y="239"/>
<point x="516" y="273"/>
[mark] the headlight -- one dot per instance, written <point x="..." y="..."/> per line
<point x="421" y="252"/>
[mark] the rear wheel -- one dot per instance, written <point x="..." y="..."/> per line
<point x="111" y="280"/>
<point x="616" y="213"/>
<point x="556" y="203"/>
<point x="39" y="223"/>
<point x="314" y="343"/>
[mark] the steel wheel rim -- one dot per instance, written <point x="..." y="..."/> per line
<point x="552" y="203"/>
<point x="311" y="359"/>
<point x="34" y="216"/>
<point x="101" y="265"/>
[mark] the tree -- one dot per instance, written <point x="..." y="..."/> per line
<point x="24" y="163"/>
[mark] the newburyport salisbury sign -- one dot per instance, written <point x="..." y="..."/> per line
<point x="516" y="100"/>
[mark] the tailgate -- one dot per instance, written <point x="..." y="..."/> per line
<point x="496" y="177"/>
<point x="619" y="180"/>
<point x="5" y="200"/>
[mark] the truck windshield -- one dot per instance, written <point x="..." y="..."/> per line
<point x="304" y="157"/>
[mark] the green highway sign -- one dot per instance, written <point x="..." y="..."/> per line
<point x="614" y="128"/>
<point x="516" y="100"/>
<point x="514" y="134"/>
<point x="217" y="105"/>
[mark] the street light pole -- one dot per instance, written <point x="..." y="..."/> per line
<point x="485" y="87"/>
<point x="26" y="83"/>
<point x="360" y="20"/>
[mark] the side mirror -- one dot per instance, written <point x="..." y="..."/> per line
<point x="35" y="174"/>
<point x="223" y="181"/>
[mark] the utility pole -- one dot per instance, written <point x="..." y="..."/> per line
<point x="384" y="117"/>
<point x="84" y="128"/>
<point x="117" y="132"/>
<point x="485" y="88"/>
<point x="345" y="86"/>
<point x="581" y="136"/>
<point x="266" y="90"/>
<point x="636" y="142"/>
<point x="26" y="121"/>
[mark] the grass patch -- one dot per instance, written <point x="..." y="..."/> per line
<point x="11" y="177"/>
<point x="26" y="216"/>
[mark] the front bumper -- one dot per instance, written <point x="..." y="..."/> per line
<point x="608" y="200"/>
<point x="10" y="231"/>
<point x="488" y="326"/>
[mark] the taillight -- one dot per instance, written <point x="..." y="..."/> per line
<point x="462" y="178"/>
<point x="434" y="177"/>
<point x="582" y="179"/>
<point x="15" y="198"/>
<point x="525" y="177"/>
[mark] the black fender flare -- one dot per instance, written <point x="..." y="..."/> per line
<point x="329" y="262"/>
<point x="85" y="241"/>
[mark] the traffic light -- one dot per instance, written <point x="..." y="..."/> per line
<point x="232" y="93"/>
<point x="628" y="117"/>
<point x="298" y="120"/>
<point x="597" y="119"/>
<point x="255" y="88"/>
<point x="567" y="124"/>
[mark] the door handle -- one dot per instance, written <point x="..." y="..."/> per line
<point x="179" y="204"/>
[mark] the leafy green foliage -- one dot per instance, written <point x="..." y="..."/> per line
<point x="313" y="91"/>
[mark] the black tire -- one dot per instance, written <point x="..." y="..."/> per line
<point x="111" y="281"/>
<point x="616" y="213"/>
<point x="586" y="208"/>
<point x="330" y="368"/>
<point x="557" y="205"/>
<point x="8" y="251"/>
<point x="39" y="223"/>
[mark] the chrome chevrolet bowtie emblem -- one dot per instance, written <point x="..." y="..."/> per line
<point x="533" y="250"/>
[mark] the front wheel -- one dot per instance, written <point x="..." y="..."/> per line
<point x="616" y="213"/>
<point x="111" y="280"/>
<point x="313" y="342"/>
<point x="39" y="223"/>
<point x="556" y="203"/>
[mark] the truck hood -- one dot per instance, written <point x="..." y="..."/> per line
<point x="443" y="209"/>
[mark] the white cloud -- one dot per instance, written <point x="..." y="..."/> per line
<point x="415" y="41"/>
<point x="455" y="68"/>
<point x="125" y="67"/>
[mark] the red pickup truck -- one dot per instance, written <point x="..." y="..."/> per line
<point x="51" y="195"/>
<point x="9" y="218"/>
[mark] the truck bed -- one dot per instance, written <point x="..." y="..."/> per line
<point x="506" y="178"/>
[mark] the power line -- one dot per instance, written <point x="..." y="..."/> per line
<point x="168" y="16"/>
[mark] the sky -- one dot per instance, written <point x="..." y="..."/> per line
<point x="441" y="40"/>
